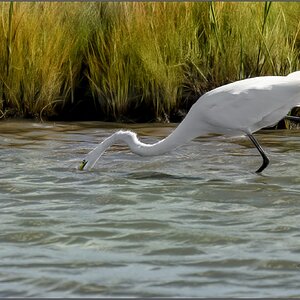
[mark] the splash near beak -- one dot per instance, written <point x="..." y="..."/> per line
<point x="82" y="165"/>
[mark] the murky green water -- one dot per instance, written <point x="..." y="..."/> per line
<point x="196" y="222"/>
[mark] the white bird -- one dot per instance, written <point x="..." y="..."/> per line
<point x="239" y="108"/>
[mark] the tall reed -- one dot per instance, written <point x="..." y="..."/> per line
<point x="40" y="59"/>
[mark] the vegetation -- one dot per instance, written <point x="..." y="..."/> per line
<point x="137" y="61"/>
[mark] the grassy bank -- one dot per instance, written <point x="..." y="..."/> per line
<point x="136" y="61"/>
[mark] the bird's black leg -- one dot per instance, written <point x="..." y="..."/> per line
<point x="261" y="151"/>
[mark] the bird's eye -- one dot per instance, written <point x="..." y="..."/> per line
<point x="82" y="165"/>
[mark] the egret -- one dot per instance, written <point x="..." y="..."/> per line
<point x="239" y="108"/>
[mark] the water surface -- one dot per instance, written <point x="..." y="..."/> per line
<point x="195" y="222"/>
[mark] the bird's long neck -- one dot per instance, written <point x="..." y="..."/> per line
<point x="183" y="133"/>
<point x="175" y="139"/>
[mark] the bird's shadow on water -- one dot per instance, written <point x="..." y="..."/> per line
<point x="209" y="173"/>
<point x="212" y="176"/>
<point x="139" y="175"/>
<point x="160" y="176"/>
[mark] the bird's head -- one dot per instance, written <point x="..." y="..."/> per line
<point x="82" y="165"/>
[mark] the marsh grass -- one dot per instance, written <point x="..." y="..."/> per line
<point x="139" y="60"/>
<point x="39" y="60"/>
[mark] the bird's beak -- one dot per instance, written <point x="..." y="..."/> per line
<point x="82" y="165"/>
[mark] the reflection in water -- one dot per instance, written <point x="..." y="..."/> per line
<point x="195" y="222"/>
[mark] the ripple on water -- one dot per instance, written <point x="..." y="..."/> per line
<point x="195" y="222"/>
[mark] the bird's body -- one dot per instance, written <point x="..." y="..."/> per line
<point x="238" y="108"/>
<point x="248" y="105"/>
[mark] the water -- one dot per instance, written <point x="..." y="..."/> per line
<point x="195" y="222"/>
